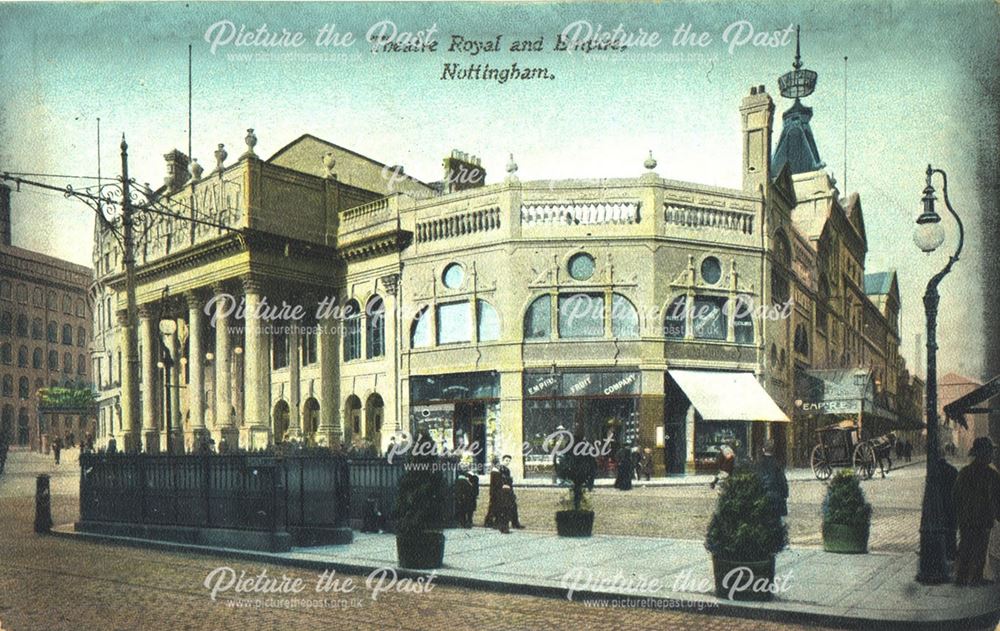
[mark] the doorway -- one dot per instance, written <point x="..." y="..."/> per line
<point x="470" y="429"/>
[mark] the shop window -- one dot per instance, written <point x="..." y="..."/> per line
<point x="743" y="321"/>
<point x="420" y="330"/>
<point x="581" y="266"/>
<point x="352" y="330"/>
<point x="709" y="318"/>
<point x="67" y="335"/>
<point x="454" y="323"/>
<point x="22" y="357"/>
<point x="675" y="320"/>
<point x="711" y="270"/>
<point x="21" y="328"/>
<point x="581" y="315"/>
<point x="375" y="327"/>
<point x="538" y="319"/>
<point x="624" y="318"/>
<point x="37" y="330"/>
<point x="488" y="322"/>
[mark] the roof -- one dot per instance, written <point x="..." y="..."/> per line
<point x="879" y="283"/>
<point x="796" y="147"/>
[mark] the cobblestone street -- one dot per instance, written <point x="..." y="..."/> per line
<point x="54" y="583"/>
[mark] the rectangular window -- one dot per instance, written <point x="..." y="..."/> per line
<point x="279" y="350"/>
<point x="709" y="318"/>
<point x="454" y="323"/>
<point x="581" y="315"/>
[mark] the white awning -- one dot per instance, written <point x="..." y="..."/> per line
<point x="728" y="396"/>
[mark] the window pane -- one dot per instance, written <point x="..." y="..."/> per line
<point x="421" y="333"/>
<point x="538" y="319"/>
<point x="581" y="315"/>
<point x="454" y="323"/>
<point x="624" y="317"/>
<point x="675" y="321"/>
<point x="709" y="318"/>
<point x="489" y="323"/>
<point x="743" y="322"/>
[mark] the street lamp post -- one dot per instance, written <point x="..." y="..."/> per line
<point x="929" y="236"/>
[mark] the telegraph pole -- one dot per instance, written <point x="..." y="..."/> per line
<point x="131" y="416"/>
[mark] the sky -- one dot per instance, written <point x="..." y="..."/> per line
<point x="913" y="96"/>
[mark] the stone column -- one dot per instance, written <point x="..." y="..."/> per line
<point x="130" y="424"/>
<point x="294" y="388"/>
<point x="195" y="431"/>
<point x="151" y="436"/>
<point x="176" y="422"/>
<point x="257" y="383"/>
<point x="330" y="432"/>
<point x="223" y="408"/>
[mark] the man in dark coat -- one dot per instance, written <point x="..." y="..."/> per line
<point x="507" y="479"/>
<point x="494" y="503"/>
<point x="772" y="475"/>
<point x="976" y="494"/>
<point x="112" y="445"/>
<point x="56" y="448"/>
<point x="623" y="479"/>
<point x="466" y="494"/>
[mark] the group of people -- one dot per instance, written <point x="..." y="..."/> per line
<point x="56" y="444"/>
<point x="631" y="463"/>
<point x="501" y="512"/>
<point x="904" y="450"/>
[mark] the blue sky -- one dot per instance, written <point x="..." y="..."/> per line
<point x="913" y="97"/>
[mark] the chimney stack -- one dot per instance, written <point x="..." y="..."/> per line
<point x="463" y="171"/>
<point x="757" y="112"/>
<point x="4" y="214"/>
<point x="177" y="170"/>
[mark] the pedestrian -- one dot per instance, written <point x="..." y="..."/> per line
<point x="112" y="445"/>
<point x="56" y="448"/>
<point x="772" y="475"/>
<point x="507" y="479"/>
<point x="506" y="509"/>
<point x="726" y="463"/>
<point x="899" y="449"/>
<point x="466" y="494"/>
<point x="947" y="474"/>
<point x="494" y="504"/>
<point x="372" y="520"/>
<point x="647" y="463"/>
<point x="908" y="451"/>
<point x="623" y="477"/>
<point x="975" y="496"/>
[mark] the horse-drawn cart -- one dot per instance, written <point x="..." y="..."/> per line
<point x="840" y="447"/>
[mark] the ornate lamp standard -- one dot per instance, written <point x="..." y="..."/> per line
<point x="928" y="236"/>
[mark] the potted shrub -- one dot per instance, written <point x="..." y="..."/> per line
<point x="744" y="536"/>
<point x="576" y="519"/>
<point x="846" y="515"/>
<point x="420" y="509"/>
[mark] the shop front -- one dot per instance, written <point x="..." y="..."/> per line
<point x="461" y="412"/>
<point x="708" y="409"/>
<point x="604" y="403"/>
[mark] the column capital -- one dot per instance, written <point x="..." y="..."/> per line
<point x="391" y="283"/>
<point x="146" y="311"/>
<point x="194" y="298"/>
<point x="252" y="283"/>
<point x="122" y="317"/>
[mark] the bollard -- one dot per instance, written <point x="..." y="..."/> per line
<point x="43" y="505"/>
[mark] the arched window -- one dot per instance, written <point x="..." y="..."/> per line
<point x="51" y="300"/>
<point x="8" y="386"/>
<point x="488" y="322"/>
<point x="624" y="317"/>
<point x="22" y="293"/>
<point x="352" y="409"/>
<point x="6" y="322"/>
<point x="80" y="310"/>
<point x="374" y="414"/>
<point x="538" y="319"/>
<point x="23" y="388"/>
<point x="822" y="313"/>
<point x="281" y="413"/>
<point x="352" y="330"/>
<point x="37" y="330"/>
<point x="22" y="357"/>
<point x="801" y="340"/>
<point x="21" y="328"/>
<point x="6" y="355"/>
<point x="375" y="327"/>
<point x="52" y="332"/>
<point x="53" y="360"/>
<point x="81" y="364"/>
<point x="5" y="291"/>
<point x="68" y="363"/>
<point x="743" y="321"/>
<point x="67" y="304"/>
<point x="36" y="359"/>
<point x="81" y="336"/>
<point x="310" y="416"/>
<point x="420" y="330"/>
<point x="67" y="335"/>
<point x="37" y="297"/>
<point x="780" y="268"/>
<point x="675" y="320"/>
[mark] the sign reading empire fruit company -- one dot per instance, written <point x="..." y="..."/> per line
<point x="580" y="384"/>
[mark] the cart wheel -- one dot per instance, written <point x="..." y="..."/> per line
<point x="821" y="468"/>
<point x="864" y="461"/>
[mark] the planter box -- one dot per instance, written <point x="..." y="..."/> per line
<point x="575" y="523"/>
<point x="845" y="539"/>
<point x="743" y="580"/>
<point x="420" y="551"/>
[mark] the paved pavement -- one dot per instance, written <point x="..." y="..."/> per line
<point x="55" y="584"/>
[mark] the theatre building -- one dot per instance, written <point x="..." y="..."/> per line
<point x="649" y="311"/>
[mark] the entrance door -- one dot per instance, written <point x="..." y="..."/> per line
<point x="470" y="427"/>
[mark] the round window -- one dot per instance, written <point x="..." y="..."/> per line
<point x="711" y="270"/>
<point x="581" y="266"/>
<point x="453" y="276"/>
